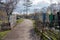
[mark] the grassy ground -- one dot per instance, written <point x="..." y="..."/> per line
<point x="47" y="34"/>
<point x="19" y="20"/>
<point x="0" y="21"/>
<point x="3" y="33"/>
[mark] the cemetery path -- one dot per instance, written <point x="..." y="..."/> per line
<point x="23" y="31"/>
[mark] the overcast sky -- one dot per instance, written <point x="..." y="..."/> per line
<point x="37" y="4"/>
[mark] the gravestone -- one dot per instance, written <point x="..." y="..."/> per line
<point x="10" y="24"/>
<point x="12" y="20"/>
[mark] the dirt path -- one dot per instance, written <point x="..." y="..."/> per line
<point x="23" y="31"/>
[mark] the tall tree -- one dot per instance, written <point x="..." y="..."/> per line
<point x="27" y="4"/>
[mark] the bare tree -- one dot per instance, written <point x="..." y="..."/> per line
<point x="27" y="4"/>
<point x="9" y="6"/>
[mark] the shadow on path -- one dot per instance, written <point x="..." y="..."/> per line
<point x="33" y="35"/>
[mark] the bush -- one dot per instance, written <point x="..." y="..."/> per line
<point x="19" y="20"/>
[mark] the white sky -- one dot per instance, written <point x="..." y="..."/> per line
<point x="36" y="4"/>
<point x="46" y="1"/>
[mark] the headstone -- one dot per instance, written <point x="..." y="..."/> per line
<point x="12" y="20"/>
